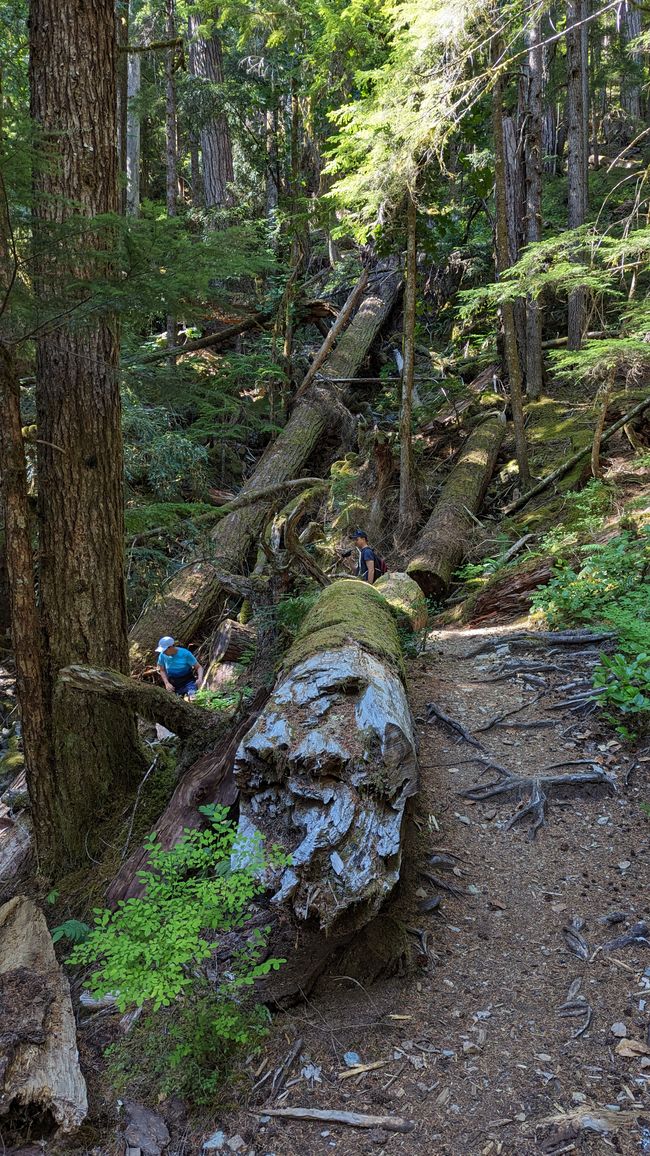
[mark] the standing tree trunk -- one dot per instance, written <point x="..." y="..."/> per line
<point x="122" y="35"/>
<point x="407" y="497"/>
<point x="134" y="70"/>
<point x="535" y="66"/>
<point x="206" y="64"/>
<point x="577" y="155"/>
<point x="80" y="489"/>
<point x="171" y="143"/>
<point x="630" y="85"/>
<point x="503" y="262"/>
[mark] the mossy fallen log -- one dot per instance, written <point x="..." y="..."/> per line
<point x="405" y="599"/>
<point x="42" y="1090"/>
<point x="325" y="772"/>
<point x="442" y="544"/>
<point x="194" y="591"/>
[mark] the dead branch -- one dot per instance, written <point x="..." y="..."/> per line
<point x="337" y="328"/>
<point x="150" y="702"/>
<point x="256" y="321"/>
<point x="352" y="1119"/>
<point x="277" y="489"/>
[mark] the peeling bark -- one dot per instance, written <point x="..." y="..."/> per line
<point x="443" y="542"/>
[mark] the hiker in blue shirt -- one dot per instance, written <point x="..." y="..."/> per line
<point x="178" y="668"/>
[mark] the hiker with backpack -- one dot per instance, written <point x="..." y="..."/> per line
<point x="370" y="566"/>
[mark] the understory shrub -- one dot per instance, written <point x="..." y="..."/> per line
<point x="611" y="589"/>
<point x="159" y="951"/>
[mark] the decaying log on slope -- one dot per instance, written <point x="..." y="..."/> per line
<point x="442" y="544"/>
<point x="40" y="1079"/>
<point x="209" y="780"/>
<point x="326" y="772"/>
<point x="193" y="593"/>
<point x="231" y="640"/>
<point x="405" y="599"/>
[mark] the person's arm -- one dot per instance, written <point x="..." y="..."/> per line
<point x="163" y="674"/>
<point x="370" y="563"/>
<point x="198" y="674"/>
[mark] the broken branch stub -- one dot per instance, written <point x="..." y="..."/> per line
<point x="326" y="771"/>
<point x="42" y="1089"/>
<point x="442" y="544"/>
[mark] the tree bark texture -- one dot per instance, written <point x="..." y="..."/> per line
<point x="407" y="494"/>
<point x="533" y="153"/>
<point x="40" y="1079"/>
<point x="80" y="488"/>
<point x="231" y="641"/>
<point x="206" y="64"/>
<point x="326" y="772"/>
<point x="170" y="113"/>
<point x="442" y="544"/>
<point x="503" y="262"/>
<point x="577" y="156"/>
<point x="122" y="37"/>
<point x="631" y="86"/>
<point x="192" y="594"/>
<point x="25" y="620"/>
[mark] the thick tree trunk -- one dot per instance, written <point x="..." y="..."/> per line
<point x="577" y="155"/>
<point x="122" y="36"/>
<point x="533" y="146"/>
<point x="194" y="592"/>
<point x="408" y="506"/>
<point x="171" y="144"/>
<point x="630" y="86"/>
<point x="42" y="1090"/>
<point x="231" y="641"/>
<point x="133" y="135"/>
<point x="326" y="772"/>
<point x="503" y="262"/>
<point x="206" y="64"/>
<point x="80" y="488"/>
<point x="405" y="599"/>
<point x="442" y="544"/>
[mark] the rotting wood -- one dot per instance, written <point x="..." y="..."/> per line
<point x="208" y="780"/>
<point x="40" y="1077"/>
<point x="405" y="599"/>
<point x="194" y="592"/>
<point x="275" y="490"/>
<point x="575" y="459"/>
<point x="231" y="641"/>
<point x="441" y="546"/>
<point x="326" y="772"/>
<point x="352" y="1119"/>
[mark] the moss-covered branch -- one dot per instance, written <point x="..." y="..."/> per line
<point x="149" y="702"/>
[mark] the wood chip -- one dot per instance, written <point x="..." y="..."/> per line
<point x="359" y="1069"/>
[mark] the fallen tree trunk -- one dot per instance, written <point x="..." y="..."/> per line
<point x="231" y="641"/>
<point x="442" y="544"/>
<point x="42" y="1089"/>
<point x="149" y="702"/>
<point x="193" y="593"/>
<point x="209" y="780"/>
<point x="326" y="772"/>
<point x="405" y="599"/>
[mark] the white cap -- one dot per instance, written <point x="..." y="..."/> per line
<point x="164" y="643"/>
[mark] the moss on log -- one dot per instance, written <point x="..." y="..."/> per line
<point x="193" y="593"/>
<point x="442" y="544"/>
<point x="348" y="611"/>
<point x="405" y="599"/>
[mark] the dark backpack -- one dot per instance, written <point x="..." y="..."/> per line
<point x="380" y="564"/>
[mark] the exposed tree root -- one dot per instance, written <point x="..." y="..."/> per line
<point x="434" y="712"/>
<point x="536" y="786"/>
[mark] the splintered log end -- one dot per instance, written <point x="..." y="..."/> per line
<point x="431" y="584"/>
<point x="405" y="598"/>
<point x="42" y="1090"/>
<point x="326" y="771"/>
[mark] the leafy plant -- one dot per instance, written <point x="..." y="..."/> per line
<point x="72" y="929"/>
<point x="221" y="700"/>
<point x="149" y="948"/>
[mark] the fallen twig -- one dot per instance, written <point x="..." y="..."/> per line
<point x="285" y="1067"/>
<point x="352" y="1119"/>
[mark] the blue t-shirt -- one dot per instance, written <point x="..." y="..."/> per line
<point x="365" y="556"/>
<point x="178" y="665"/>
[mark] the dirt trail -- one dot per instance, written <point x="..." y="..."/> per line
<point x="480" y="1057"/>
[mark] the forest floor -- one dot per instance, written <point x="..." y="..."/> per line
<point x="472" y="1044"/>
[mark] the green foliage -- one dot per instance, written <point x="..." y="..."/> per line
<point x="222" y="700"/>
<point x="148" y="949"/>
<point x="291" y="612"/>
<point x="73" y="930"/>
<point x="611" y="588"/>
<point x="157" y="457"/>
